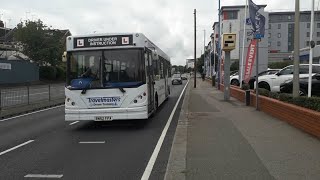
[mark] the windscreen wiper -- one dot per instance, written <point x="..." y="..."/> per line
<point x="122" y="90"/>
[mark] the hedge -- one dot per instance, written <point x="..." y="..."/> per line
<point x="52" y="73"/>
<point x="303" y="101"/>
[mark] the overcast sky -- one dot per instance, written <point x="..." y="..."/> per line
<point x="168" y="23"/>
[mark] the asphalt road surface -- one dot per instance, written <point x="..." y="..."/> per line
<point x="42" y="145"/>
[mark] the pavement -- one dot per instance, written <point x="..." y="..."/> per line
<point x="217" y="139"/>
<point x="42" y="144"/>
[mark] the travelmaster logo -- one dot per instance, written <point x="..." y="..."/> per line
<point x="104" y="101"/>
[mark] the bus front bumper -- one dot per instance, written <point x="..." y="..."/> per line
<point x="106" y="114"/>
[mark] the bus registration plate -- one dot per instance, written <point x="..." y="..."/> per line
<point x="103" y="118"/>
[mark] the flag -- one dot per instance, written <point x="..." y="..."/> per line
<point x="251" y="54"/>
<point x="257" y="20"/>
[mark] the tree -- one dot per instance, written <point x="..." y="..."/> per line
<point x="234" y="66"/>
<point x="40" y="43"/>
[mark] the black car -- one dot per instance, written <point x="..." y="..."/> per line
<point x="268" y="72"/>
<point x="315" y="90"/>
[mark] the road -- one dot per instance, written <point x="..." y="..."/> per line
<point x="44" y="145"/>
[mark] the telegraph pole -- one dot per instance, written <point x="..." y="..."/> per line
<point x="219" y="46"/>
<point x="195" y="49"/>
<point x="296" y="60"/>
<point x="204" y="52"/>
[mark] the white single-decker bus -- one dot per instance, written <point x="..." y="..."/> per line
<point x="114" y="77"/>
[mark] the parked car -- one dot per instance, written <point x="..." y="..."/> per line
<point x="267" y="72"/>
<point x="234" y="78"/>
<point x="272" y="82"/>
<point x="176" y="79"/>
<point x="315" y="90"/>
<point x="184" y="77"/>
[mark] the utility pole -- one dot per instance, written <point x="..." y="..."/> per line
<point x="204" y="51"/>
<point x="219" y="45"/>
<point x="296" y="60"/>
<point x="311" y="50"/>
<point x="195" y="49"/>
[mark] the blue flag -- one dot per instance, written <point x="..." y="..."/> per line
<point x="257" y="20"/>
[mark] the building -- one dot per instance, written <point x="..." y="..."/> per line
<point x="190" y="63"/>
<point x="232" y="21"/>
<point x="281" y="34"/>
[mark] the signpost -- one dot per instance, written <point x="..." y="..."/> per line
<point x="229" y="44"/>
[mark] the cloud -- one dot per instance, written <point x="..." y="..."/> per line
<point x="168" y="23"/>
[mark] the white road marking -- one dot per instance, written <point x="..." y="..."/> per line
<point x="92" y="142"/>
<point x="73" y="123"/>
<point x="30" y="113"/>
<point x="153" y="158"/>
<point x="57" y="176"/>
<point x="16" y="147"/>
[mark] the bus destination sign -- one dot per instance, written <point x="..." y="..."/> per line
<point x="103" y="41"/>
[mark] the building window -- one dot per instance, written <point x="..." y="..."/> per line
<point x="279" y="43"/>
<point x="269" y="44"/>
<point x="290" y="34"/>
<point x="279" y="35"/>
<point x="290" y="26"/>
<point x="289" y="43"/>
<point x="280" y="17"/>
<point x="269" y="35"/>
<point x="230" y="15"/>
<point x="308" y="34"/>
<point x="308" y="25"/>
<point x="318" y="42"/>
<point x="318" y="34"/>
<point x="318" y="25"/>
<point x="289" y="17"/>
<point x="269" y="26"/>
<point x="308" y="43"/>
<point x="279" y="26"/>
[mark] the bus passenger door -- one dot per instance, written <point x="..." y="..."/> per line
<point x="150" y="81"/>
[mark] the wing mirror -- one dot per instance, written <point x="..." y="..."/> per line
<point x="64" y="57"/>
<point x="317" y="76"/>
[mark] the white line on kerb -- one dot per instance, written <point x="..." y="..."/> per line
<point x="153" y="158"/>
<point x="16" y="147"/>
<point x="73" y="123"/>
<point x="44" y="176"/>
<point x="92" y="142"/>
<point x="30" y="113"/>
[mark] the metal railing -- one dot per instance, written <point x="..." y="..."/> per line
<point x="26" y="95"/>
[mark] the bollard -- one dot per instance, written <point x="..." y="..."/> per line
<point x="247" y="97"/>
<point x="213" y="81"/>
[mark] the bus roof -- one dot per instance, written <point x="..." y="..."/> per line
<point x="112" y="41"/>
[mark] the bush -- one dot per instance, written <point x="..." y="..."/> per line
<point x="245" y="86"/>
<point x="285" y="97"/>
<point x="47" y="72"/>
<point x="61" y="73"/>
<point x="280" y="65"/>
<point x="263" y="92"/>
<point x="310" y="103"/>
<point x="274" y="95"/>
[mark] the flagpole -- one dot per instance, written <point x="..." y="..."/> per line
<point x="243" y="41"/>
<point x="311" y="50"/>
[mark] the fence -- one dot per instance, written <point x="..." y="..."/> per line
<point x="27" y="95"/>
